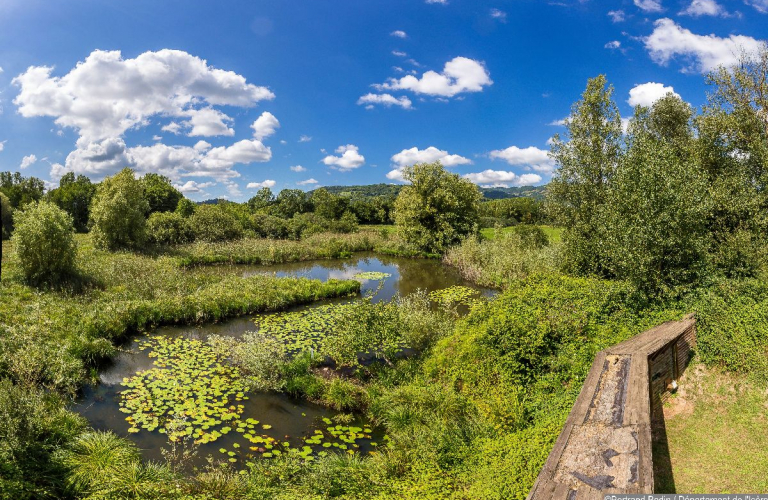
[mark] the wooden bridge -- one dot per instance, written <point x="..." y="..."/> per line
<point x="605" y="445"/>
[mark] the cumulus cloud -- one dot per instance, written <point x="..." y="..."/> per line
<point x="298" y="168"/>
<point x="613" y="45"/>
<point x="350" y="158"/>
<point x="701" y="52"/>
<point x="2" y="144"/>
<point x="531" y="157"/>
<point x="704" y="8"/>
<point x="431" y="154"/>
<point x="559" y="123"/>
<point x="617" y="16"/>
<point x="649" y="5"/>
<point x="105" y="95"/>
<point x="265" y="125"/>
<point x="307" y="182"/>
<point x="459" y="75"/>
<point x="414" y="155"/>
<point x="191" y="187"/>
<point x="502" y="178"/>
<point x="27" y="161"/>
<point x="269" y="183"/>
<point x="441" y="2"/>
<point x="399" y="53"/>
<point x="648" y="93"/>
<point x="387" y="100"/>
<point x="305" y="138"/>
<point x="399" y="34"/>
<point x="499" y="14"/>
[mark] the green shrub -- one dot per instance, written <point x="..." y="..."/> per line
<point x="168" y="228"/>
<point x="185" y="207"/>
<point x="44" y="242"/>
<point x="269" y="226"/>
<point x="117" y="212"/>
<point x="530" y="236"/>
<point x="212" y="223"/>
<point x="6" y="217"/>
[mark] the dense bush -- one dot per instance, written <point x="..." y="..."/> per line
<point x="185" y="207"/>
<point x="6" y="217"/>
<point x="160" y="194"/>
<point x="118" y="211"/>
<point x="269" y="226"/>
<point x="168" y="228"/>
<point x="74" y="196"/>
<point x="213" y="223"/>
<point x="44" y="242"/>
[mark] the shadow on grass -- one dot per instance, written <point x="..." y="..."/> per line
<point x="663" y="478"/>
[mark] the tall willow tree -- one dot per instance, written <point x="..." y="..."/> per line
<point x="658" y="203"/>
<point x="587" y="160"/>
<point x="733" y="131"/>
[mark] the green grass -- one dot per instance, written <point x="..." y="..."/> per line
<point x="715" y="433"/>
<point x="553" y="233"/>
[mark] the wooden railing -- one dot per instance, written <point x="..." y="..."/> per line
<point x="605" y="445"/>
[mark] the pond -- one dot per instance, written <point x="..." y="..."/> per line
<point x="177" y="367"/>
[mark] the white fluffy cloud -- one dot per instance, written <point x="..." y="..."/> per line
<point x="459" y="75"/>
<point x="27" y="161"/>
<point x="2" y="145"/>
<point x="613" y="45"/>
<point x="702" y="52"/>
<point x="648" y="93"/>
<point x="532" y="157"/>
<point x="265" y="125"/>
<point x="414" y="155"/>
<point x="704" y="8"/>
<point x="350" y="158"/>
<point x="298" y="168"/>
<point x="307" y="182"/>
<point x="99" y="159"/>
<point x="649" y="5"/>
<point x="192" y="187"/>
<point x="269" y="183"/>
<point x="441" y="2"/>
<point x="105" y="95"/>
<point x="387" y="100"/>
<point x="305" y="138"/>
<point x="431" y="154"/>
<point x="399" y="34"/>
<point x="502" y="178"/>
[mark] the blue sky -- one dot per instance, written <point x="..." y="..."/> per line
<point x="226" y="97"/>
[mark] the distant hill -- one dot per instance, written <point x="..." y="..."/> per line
<point x="370" y="190"/>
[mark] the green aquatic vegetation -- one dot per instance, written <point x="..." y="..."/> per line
<point x="303" y="330"/>
<point x="455" y="295"/>
<point x="372" y="275"/>
<point x="188" y="381"/>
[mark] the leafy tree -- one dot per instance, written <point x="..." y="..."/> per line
<point x="291" y="202"/>
<point x="44" y="242"/>
<point x="21" y="190"/>
<point x="168" y="228"/>
<point x="437" y="209"/>
<point x="263" y="199"/>
<point x="213" y="223"/>
<point x="74" y="195"/>
<point x="733" y="149"/>
<point x="657" y="217"/>
<point x="185" y="208"/>
<point x="327" y="205"/>
<point x="587" y="162"/>
<point x="117" y="212"/>
<point x="160" y="193"/>
<point x="6" y="217"/>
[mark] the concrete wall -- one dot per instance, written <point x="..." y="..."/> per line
<point x="605" y="444"/>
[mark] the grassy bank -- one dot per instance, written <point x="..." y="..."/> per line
<point x="714" y="438"/>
